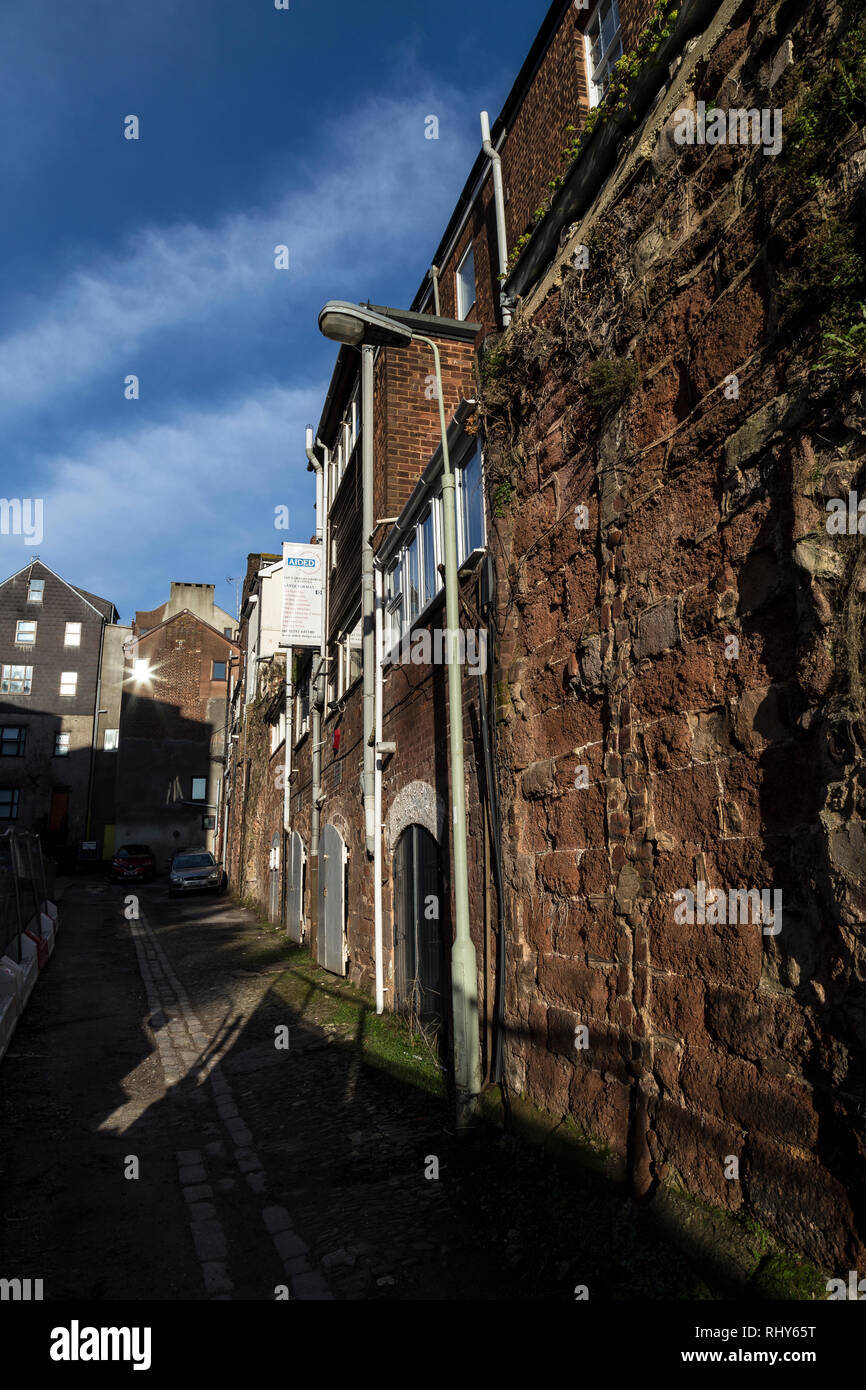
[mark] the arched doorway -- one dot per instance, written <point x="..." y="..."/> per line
<point x="274" y="884"/>
<point x="419" y="906"/>
<point x="295" y="889"/>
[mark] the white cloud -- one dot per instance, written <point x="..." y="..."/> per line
<point x="164" y="501"/>
<point x="371" y="205"/>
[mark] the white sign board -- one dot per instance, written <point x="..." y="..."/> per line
<point x="302" y="595"/>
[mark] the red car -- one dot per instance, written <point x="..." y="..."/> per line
<point x="132" y="862"/>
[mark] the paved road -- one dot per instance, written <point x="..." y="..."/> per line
<point x="148" y="1049"/>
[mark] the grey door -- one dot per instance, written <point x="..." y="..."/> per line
<point x="332" y="901"/>
<point x="419" y="905"/>
<point x="274" y="884"/>
<point x="295" y="888"/>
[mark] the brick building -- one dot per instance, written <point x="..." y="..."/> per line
<point x="172" y="723"/>
<point x="59" y="709"/>
<point x="672" y="706"/>
<point x="253" y="815"/>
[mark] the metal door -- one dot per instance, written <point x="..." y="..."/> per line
<point x="419" y="904"/>
<point x="332" y="901"/>
<point x="274" y="884"/>
<point x="295" y="889"/>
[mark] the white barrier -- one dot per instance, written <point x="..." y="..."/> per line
<point x="10" y="1005"/>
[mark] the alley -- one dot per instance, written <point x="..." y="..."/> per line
<point x="262" y="1172"/>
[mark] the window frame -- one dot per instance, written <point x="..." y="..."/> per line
<point x="25" y="641"/>
<point x="61" y="752"/>
<point x="65" y="680"/>
<point x="595" y="76"/>
<point x="199" y="800"/>
<point x="464" y="550"/>
<point x="14" y="802"/>
<point x="20" y="742"/>
<point x="66" y="641"/>
<point x="7" y="682"/>
<point x="303" y="703"/>
<point x="113" y="745"/>
<point x="39" y="585"/>
<point x="345" y="648"/>
<point x="463" y="311"/>
<point x="225" y="674"/>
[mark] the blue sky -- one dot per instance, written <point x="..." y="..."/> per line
<point x="258" y="127"/>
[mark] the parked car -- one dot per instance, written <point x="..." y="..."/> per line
<point x="132" y="861"/>
<point x="193" y="869"/>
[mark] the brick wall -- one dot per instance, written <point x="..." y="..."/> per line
<point x="643" y="753"/>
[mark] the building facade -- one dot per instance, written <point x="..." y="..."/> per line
<point x="253" y="812"/>
<point x="648" y="421"/>
<point x="172" y="725"/>
<point x="60" y="691"/>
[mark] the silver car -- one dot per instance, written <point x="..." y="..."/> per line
<point x="195" y="869"/>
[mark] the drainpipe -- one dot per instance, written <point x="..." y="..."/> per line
<point x="434" y="276"/>
<point x="499" y="203"/>
<point x="367" y="593"/>
<point x="287" y="752"/>
<point x="377" y="805"/>
<point x="319" y="692"/>
<point x="464" y="962"/>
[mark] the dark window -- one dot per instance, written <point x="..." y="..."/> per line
<point x="12" y="740"/>
<point x="219" y="671"/>
<point x="8" y="803"/>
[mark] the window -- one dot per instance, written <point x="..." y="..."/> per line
<point x="355" y="414"/>
<point x="73" y="635"/>
<point x="302" y="704"/>
<point x="429" y="575"/>
<point x="8" y="803"/>
<point x="466" y="283"/>
<point x="16" y="680"/>
<point x="199" y="789"/>
<point x="227" y="632"/>
<point x="219" y="671"/>
<point x="351" y="657"/>
<point x="25" y="634"/>
<point x="111" y="740"/>
<point x="61" y="745"/>
<point x="12" y="740"/>
<point x="278" y="731"/>
<point x="603" y="43"/>
<point x="393" y="606"/>
<point x="68" y="682"/>
<point x="471" y="506"/>
<point x="35" y="590"/>
<point x="410" y="580"/>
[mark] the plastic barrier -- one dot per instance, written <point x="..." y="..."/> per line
<point x="10" y="1005"/>
<point x="41" y="932"/>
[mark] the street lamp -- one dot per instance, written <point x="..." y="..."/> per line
<point x="355" y="325"/>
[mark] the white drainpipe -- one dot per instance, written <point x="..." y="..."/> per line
<point x="320" y="467"/>
<point x="287" y="790"/>
<point x="499" y="203"/>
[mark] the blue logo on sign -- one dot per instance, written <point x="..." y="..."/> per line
<point x="301" y="564"/>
